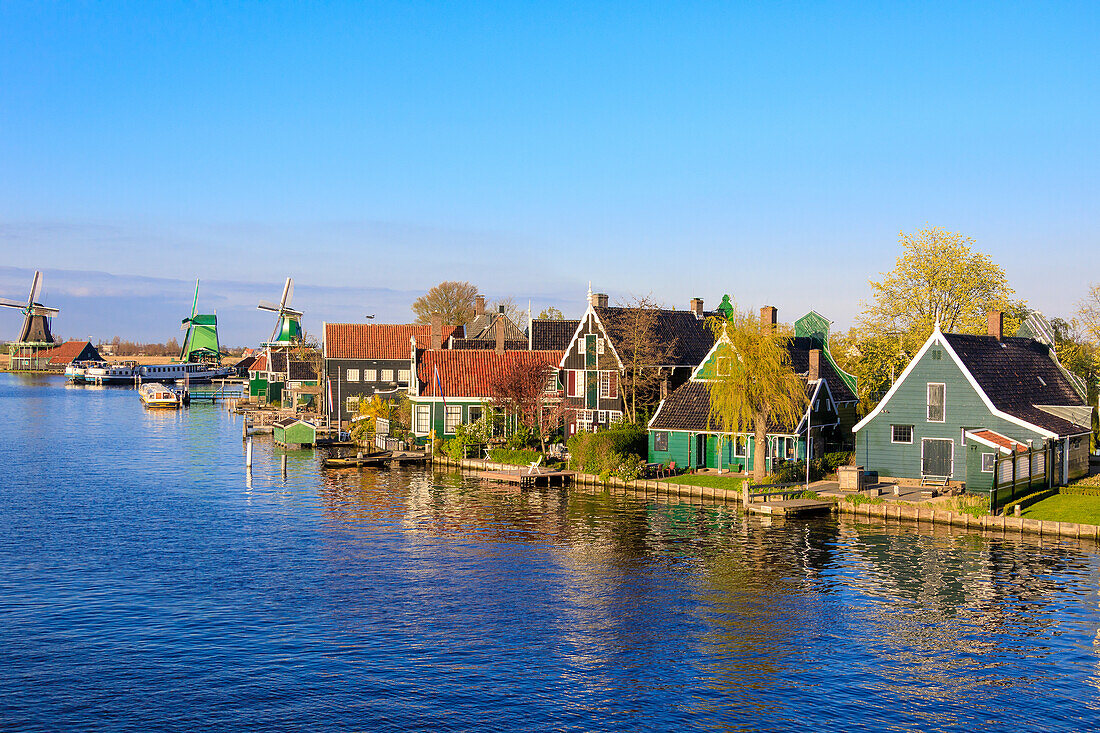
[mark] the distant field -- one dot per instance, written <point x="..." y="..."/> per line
<point x="1066" y="508"/>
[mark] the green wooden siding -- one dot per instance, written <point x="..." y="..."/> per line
<point x="683" y="447"/>
<point x="963" y="408"/>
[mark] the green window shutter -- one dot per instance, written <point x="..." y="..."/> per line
<point x="590" y="351"/>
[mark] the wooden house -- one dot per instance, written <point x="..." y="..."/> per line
<point x="293" y="433"/>
<point x="681" y="429"/>
<point x="365" y="359"/>
<point x="453" y="385"/>
<point x="963" y="398"/>
<point x="56" y="358"/>
<point x="592" y="366"/>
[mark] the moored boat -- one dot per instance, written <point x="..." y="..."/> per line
<point x="155" y="394"/>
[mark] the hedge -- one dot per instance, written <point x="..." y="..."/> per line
<point x="514" y="457"/>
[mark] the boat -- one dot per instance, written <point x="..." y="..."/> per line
<point x="124" y="372"/>
<point x="155" y="394"/>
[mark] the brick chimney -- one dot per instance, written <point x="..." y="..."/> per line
<point x="479" y="306"/>
<point x="996" y="324"/>
<point x="697" y="307"/>
<point x="500" y="309"/>
<point x="769" y="317"/>
<point x="500" y="338"/>
<point x="437" y="333"/>
<point x="598" y="300"/>
<point x="664" y="387"/>
<point x="815" y="365"/>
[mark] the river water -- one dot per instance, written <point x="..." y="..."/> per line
<point x="147" y="583"/>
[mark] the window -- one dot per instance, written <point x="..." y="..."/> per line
<point x="551" y="380"/>
<point x="574" y="383"/>
<point x="452" y="418"/>
<point x="660" y="441"/>
<point x="987" y="462"/>
<point x="901" y="434"/>
<point x="475" y="413"/>
<point x="609" y="385"/>
<point x="740" y="446"/>
<point x="615" y="416"/>
<point x="599" y="346"/>
<point x="723" y="366"/>
<point x="386" y="375"/>
<point x="936" y="402"/>
<point x="601" y="417"/>
<point x="353" y="375"/>
<point x="584" y="420"/>
<point x="937" y="354"/>
<point x="403" y="376"/>
<point x="351" y="404"/>
<point x="370" y="375"/>
<point x="423" y="418"/>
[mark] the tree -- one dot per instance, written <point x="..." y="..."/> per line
<point x="512" y="311"/>
<point x="519" y="390"/>
<point x="452" y="301"/>
<point x="1088" y="313"/>
<point x="937" y="277"/>
<point x="640" y="353"/>
<point x="752" y="382"/>
<point x="550" y="313"/>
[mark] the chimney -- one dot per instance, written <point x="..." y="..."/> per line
<point x="437" y="333"/>
<point x="500" y="339"/>
<point x="664" y="387"/>
<point x="768" y="317"/>
<point x="815" y="365"/>
<point x="697" y="307"/>
<point x="598" y="300"/>
<point x="996" y="324"/>
<point x="500" y="309"/>
<point x="479" y="307"/>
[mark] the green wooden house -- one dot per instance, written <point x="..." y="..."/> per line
<point x="293" y="433"/>
<point x="681" y="430"/>
<point x="963" y="398"/>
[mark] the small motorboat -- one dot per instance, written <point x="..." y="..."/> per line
<point x="155" y="394"/>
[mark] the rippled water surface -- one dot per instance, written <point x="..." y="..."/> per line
<point x="147" y="584"/>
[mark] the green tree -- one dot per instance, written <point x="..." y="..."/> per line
<point x="938" y="277"/>
<point x="1088" y="314"/>
<point x="452" y="301"/>
<point x="751" y="382"/>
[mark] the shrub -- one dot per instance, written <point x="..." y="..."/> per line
<point x="455" y="449"/>
<point x="832" y="461"/>
<point x="604" y="453"/>
<point x="858" y="499"/>
<point x="513" y="457"/>
<point x="522" y="438"/>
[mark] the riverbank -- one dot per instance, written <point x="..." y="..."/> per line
<point x="926" y="513"/>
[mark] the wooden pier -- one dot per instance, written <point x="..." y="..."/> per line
<point x="791" y="507"/>
<point x="385" y="459"/>
<point x="526" y="478"/>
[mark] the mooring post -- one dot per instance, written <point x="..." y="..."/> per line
<point x="284" y="465"/>
<point x="244" y="426"/>
<point x="248" y="454"/>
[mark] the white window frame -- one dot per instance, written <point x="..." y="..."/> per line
<point x="470" y="413"/>
<point x="928" y="402"/>
<point x="658" y="436"/>
<point x="740" y="446"/>
<point x="423" y="419"/>
<point x="992" y="462"/>
<point x="600" y="346"/>
<point x="948" y="440"/>
<point x="352" y="375"/>
<point x="605" y="385"/>
<point x="385" y="375"/>
<point x="452" y="418"/>
<point x="578" y="389"/>
<point x="351" y="404"/>
<point x="404" y="375"/>
<point x="370" y="375"/>
<point x="902" y="442"/>
<point x="614" y="416"/>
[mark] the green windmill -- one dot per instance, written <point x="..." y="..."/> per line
<point x="201" y="342"/>
<point x="288" y="327"/>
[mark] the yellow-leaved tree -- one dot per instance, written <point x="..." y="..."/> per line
<point x="751" y="382"/>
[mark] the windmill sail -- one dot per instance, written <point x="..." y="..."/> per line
<point x="36" y="324"/>
<point x="201" y="340"/>
<point x="288" y="326"/>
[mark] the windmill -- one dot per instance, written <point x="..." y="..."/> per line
<point x="36" y="324"/>
<point x="201" y="341"/>
<point x="288" y="325"/>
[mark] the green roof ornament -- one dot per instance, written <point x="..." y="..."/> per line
<point x="726" y="307"/>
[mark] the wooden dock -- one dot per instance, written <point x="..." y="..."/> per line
<point x="385" y="459"/>
<point x="790" y="507"/>
<point x="524" y="478"/>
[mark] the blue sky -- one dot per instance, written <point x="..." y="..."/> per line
<point x="772" y="151"/>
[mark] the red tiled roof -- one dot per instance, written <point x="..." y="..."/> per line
<point x="67" y="352"/>
<point x="998" y="439"/>
<point x="466" y="373"/>
<point x="260" y="365"/>
<point x="378" y="340"/>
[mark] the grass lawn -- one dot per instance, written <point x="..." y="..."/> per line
<point x="1066" y="508"/>
<point x="733" y="483"/>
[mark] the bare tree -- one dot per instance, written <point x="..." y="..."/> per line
<point x="641" y="353"/>
<point x="519" y="388"/>
<point x="452" y="301"/>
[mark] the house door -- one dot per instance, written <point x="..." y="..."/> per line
<point x="936" y="457"/>
<point x="701" y="450"/>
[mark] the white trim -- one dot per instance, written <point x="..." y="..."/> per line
<point x="724" y="338"/>
<point x="912" y="433"/>
<point x="658" y="412"/>
<point x="814" y="396"/>
<point x="981" y="467"/>
<point x="949" y="440"/>
<point x="989" y="443"/>
<point x="937" y="337"/>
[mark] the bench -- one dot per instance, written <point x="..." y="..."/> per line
<point x="929" y="480"/>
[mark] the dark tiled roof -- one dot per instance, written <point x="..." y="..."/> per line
<point x="482" y="344"/>
<point x="688" y="408"/>
<point x="1017" y="374"/>
<point x="301" y="371"/>
<point x="552" y="335"/>
<point x="277" y="362"/>
<point x="688" y="336"/>
<point x="379" y="340"/>
<point x="799" y="349"/>
<point x="467" y="373"/>
<point x="485" y="326"/>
